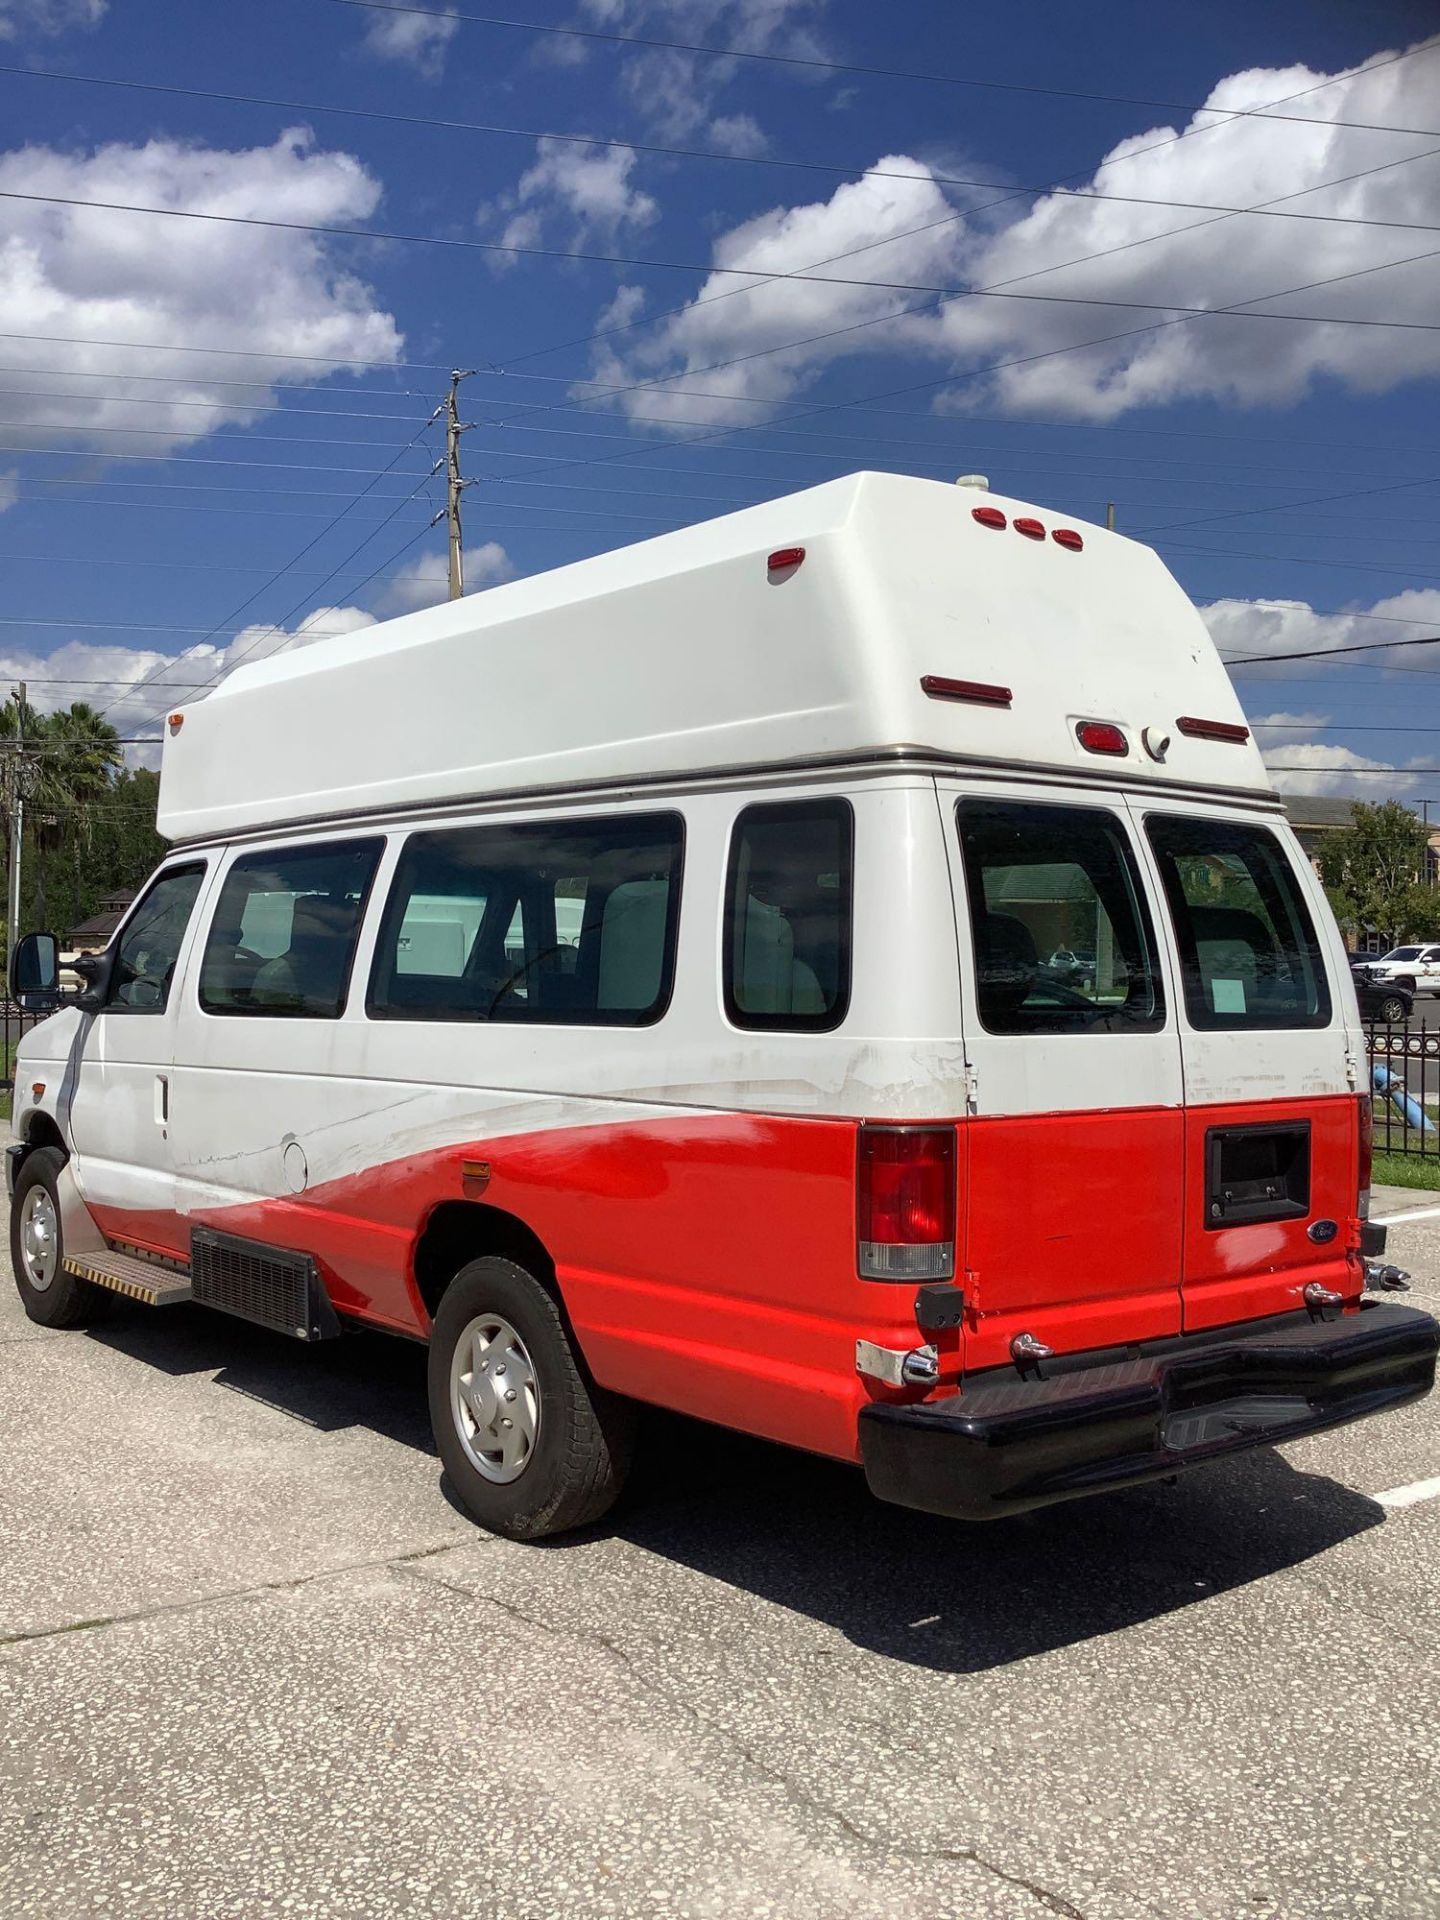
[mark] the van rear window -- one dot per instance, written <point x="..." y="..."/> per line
<point x="1249" y="956"/>
<point x="1063" y="940"/>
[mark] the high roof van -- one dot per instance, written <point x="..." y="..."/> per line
<point x="839" y="971"/>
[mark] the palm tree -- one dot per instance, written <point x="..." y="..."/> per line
<point x="64" y="762"/>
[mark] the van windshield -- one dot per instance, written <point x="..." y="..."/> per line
<point x="1249" y="956"/>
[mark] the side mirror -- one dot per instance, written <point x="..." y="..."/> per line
<point x="95" y="970"/>
<point x="35" y="973"/>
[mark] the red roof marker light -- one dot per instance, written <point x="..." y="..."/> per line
<point x="785" y="559"/>
<point x="989" y="517"/>
<point x="1031" y="529"/>
<point x="1067" y="537"/>
<point x="978" y="692"/>
<point x="1099" y="736"/>
<point x="1229" y="730"/>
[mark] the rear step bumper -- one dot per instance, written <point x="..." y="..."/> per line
<point x="1004" y="1444"/>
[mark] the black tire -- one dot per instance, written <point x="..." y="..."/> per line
<point x="1394" y="1009"/>
<point x="583" y="1440"/>
<point x="1409" y="985"/>
<point x="66" y="1301"/>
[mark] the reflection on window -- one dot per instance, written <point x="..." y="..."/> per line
<point x="1063" y="942"/>
<point x="284" y="932"/>
<point x="1248" y="951"/>
<point x="150" y="943"/>
<point x="566" y="921"/>
<point x="787" y="929"/>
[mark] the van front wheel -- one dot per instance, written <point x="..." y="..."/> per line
<point x="530" y="1443"/>
<point x="51" y="1296"/>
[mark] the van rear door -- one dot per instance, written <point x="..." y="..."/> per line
<point x="1272" y="1116"/>
<point x="1074" y="1146"/>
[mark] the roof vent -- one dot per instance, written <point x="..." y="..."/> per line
<point x="979" y="480"/>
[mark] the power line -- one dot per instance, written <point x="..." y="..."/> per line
<point x="813" y="62"/>
<point x="847" y="169"/>
<point x="1318" y="653"/>
<point x="1242" y="310"/>
<point x="210" y="406"/>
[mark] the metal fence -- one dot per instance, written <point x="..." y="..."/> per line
<point x="1405" y="1086"/>
<point x="14" y="1023"/>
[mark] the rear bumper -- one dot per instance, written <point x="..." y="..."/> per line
<point x="1005" y="1444"/>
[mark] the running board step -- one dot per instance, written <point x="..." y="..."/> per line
<point x="143" y="1280"/>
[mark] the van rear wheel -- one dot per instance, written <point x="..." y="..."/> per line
<point x="531" y="1445"/>
<point x="51" y="1296"/>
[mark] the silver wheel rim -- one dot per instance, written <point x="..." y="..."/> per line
<point x="39" y="1238"/>
<point x="494" y="1398"/>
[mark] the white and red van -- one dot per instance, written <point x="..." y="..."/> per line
<point x="839" y="971"/>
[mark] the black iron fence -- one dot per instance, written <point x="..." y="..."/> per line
<point x="14" y="1023"/>
<point x="1404" y="1065"/>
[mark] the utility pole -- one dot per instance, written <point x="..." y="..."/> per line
<point x="1110" y="515"/>
<point x="454" y="484"/>
<point x="17" y="823"/>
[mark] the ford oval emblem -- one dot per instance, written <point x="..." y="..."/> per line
<point x="1323" y="1232"/>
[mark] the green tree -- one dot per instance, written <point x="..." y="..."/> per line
<point x="1374" y="872"/>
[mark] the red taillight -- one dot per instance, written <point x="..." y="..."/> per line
<point x="1213" y="729"/>
<point x="785" y="559"/>
<point x="980" y="692"/>
<point x="905" y="1192"/>
<point x="1031" y="529"/>
<point x="989" y="517"/>
<point x="1098" y="736"/>
<point x="1067" y="537"/>
<point x="1367" y="1154"/>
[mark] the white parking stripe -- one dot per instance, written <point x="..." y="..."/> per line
<point x="1410" y="1496"/>
<point x="1415" y="1213"/>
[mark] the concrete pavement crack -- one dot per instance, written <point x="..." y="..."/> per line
<point x="796" y="1795"/>
<point x="227" y="1595"/>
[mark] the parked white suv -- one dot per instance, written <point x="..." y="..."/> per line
<point x="1415" y="967"/>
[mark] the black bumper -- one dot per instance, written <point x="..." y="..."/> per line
<point x="1005" y="1444"/>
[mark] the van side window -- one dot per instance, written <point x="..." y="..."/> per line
<point x="283" y="936"/>
<point x="1063" y="940"/>
<point x="1249" y="955"/>
<point x="150" y="942"/>
<point x="569" y="921"/>
<point x="788" y="916"/>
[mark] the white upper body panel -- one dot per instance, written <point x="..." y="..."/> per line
<point x="686" y="654"/>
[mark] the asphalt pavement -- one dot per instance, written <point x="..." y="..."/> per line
<point x="252" y="1662"/>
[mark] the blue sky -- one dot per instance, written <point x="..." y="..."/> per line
<point x="163" y="509"/>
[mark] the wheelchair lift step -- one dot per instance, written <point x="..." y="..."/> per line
<point x="143" y="1280"/>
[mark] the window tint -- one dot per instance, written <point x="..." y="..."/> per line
<point x="1063" y="940"/>
<point x="150" y="942"/>
<point x="788" y="912"/>
<point x="283" y="936"/>
<point x="1248" y="952"/>
<point x="571" y="921"/>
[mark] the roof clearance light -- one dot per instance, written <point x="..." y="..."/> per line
<point x="1098" y="736"/>
<point x="989" y="517"/>
<point x="978" y="692"/>
<point x="1213" y="730"/>
<point x="1031" y="529"/>
<point x="1067" y="537"/>
<point x="785" y="559"/>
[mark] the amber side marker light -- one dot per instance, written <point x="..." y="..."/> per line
<point x="1098" y="736"/>
<point x="785" y="560"/>
<point x="1213" y="730"/>
<point x="977" y="692"/>
<point x="175" y="722"/>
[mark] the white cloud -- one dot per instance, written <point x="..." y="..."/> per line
<point x="1317" y="766"/>
<point x="575" y="196"/>
<point x="719" y="329"/>
<point x="678" y="92"/>
<point x="418" y="40"/>
<point x="83" y="273"/>
<point x="424" y="581"/>
<point x="1106" y="249"/>
<point x="1256" y="628"/>
<point x="48" y="18"/>
<point x="9" y="489"/>
<point x="738" y="133"/>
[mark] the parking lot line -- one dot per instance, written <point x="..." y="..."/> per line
<point x="1412" y="1495"/>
